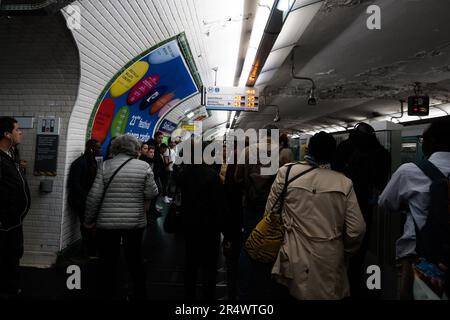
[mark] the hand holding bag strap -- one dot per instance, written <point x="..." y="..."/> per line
<point x="286" y="183"/>
<point x="107" y="186"/>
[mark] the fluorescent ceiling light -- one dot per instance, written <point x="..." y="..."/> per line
<point x="295" y="25"/>
<point x="301" y="3"/>
<point x="293" y="28"/>
<point x="284" y="5"/>
<point x="221" y="31"/>
<point x="261" y="17"/>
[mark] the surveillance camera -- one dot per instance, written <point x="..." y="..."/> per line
<point x="277" y="117"/>
<point x="312" y="101"/>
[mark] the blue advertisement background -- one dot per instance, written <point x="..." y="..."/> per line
<point x="174" y="74"/>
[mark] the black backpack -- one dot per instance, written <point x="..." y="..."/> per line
<point x="433" y="240"/>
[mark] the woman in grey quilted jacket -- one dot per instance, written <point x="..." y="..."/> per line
<point x="120" y="217"/>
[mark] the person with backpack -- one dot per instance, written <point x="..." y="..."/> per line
<point x="423" y="191"/>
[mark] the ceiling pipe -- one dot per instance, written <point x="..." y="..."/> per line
<point x="312" y="97"/>
<point x="401" y="112"/>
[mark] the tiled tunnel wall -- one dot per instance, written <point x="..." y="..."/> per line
<point x="39" y="76"/>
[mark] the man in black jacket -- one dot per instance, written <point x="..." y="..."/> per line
<point x="202" y="210"/>
<point x="158" y="172"/>
<point x="14" y="205"/>
<point x="81" y="177"/>
<point x="368" y="164"/>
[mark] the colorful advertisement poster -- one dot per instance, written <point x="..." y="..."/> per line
<point x="140" y="94"/>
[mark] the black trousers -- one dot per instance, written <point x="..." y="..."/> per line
<point x="11" y="251"/>
<point x="232" y="264"/>
<point x="88" y="238"/>
<point x="89" y="242"/>
<point x="357" y="267"/>
<point x="109" y="254"/>
<point x="201" y="258"/>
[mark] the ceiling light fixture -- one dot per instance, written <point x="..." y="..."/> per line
<point x="190" y="115"/>
<point x="277" y="116"/>
<point x="261" y="19"/>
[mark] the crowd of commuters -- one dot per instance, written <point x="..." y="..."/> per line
<point x="327" y="207"/>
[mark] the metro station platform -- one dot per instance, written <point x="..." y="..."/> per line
<point x="164" y="263"/>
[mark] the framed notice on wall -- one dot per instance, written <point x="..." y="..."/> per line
<point x="46" y="157"/>
<point x="47" y="140"/>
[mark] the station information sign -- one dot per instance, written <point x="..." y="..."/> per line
<point x="230" y="98"/>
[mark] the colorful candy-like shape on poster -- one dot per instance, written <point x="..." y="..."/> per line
<point x="103" y="120"/>
<point x="161" y="102"/>
<point x="167" y="107"/>
<point x="120" y="122"/>
<point x="129" y="78"/>
<point x="152" y="97"/>
<point x="164" y="54"/>
<point x="142" y="88"/>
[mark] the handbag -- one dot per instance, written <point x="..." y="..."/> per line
<point x="266" y="239"/>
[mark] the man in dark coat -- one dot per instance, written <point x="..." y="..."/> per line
<point x="158" y="171"/>
<point x="15" y="202"/>
<point x="368" y="164"/>
<point x="202" y="209"/>
<point x="81" y="177"/>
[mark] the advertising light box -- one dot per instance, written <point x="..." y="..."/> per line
<point x="139" y="96"/>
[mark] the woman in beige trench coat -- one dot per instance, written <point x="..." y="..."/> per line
<point x="323" y="226"/>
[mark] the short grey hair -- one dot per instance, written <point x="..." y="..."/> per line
<point x="125" y="144"/>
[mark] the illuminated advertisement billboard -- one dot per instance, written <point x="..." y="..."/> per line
<point x="143" y="91"/>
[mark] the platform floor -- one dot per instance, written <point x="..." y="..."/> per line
<point x="164" y="260"/>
